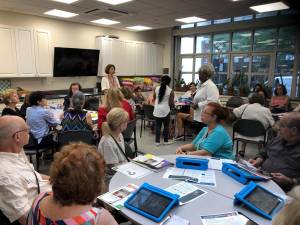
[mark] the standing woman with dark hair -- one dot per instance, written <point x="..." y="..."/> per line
<point x="110" y="80"/>
<point x="74" y="87"/>
<point x="164" y="100"/>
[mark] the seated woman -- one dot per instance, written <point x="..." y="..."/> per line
<point x="75" y="118"/>
<point x="25" y="105"/>
<point x="254" y="111"/>
<point x="112" y="145"/>
<point x="186" y="112"/>
<point x="127" y="93"/>
<point x="138" y="99"/>
<point x="39" y="118"/>
<point x="212" y="140"/>
<point x="76" y="176"/>
<point x="113" y="98"/>
<point x="11" y="99"/>
<point x="280" y="102"/>
<point x="74" y="87"/>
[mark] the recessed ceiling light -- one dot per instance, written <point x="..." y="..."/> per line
<point x="270" y="7"/>
<point x="65" y="1"/>
<point x="114" y="2"/>
<point x="139" y="27"/>
<point x="60" y="13"/>
<point x="192" y="19"/>
<point x="105" y="21"/>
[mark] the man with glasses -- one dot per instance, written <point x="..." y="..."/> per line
<point x="281" y="157"/>
<point x="19" y="183"/>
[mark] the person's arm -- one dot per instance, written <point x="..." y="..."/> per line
<point x="154" y="96"/>
<point x="104" y="84"/>
<point x="185" y="148"/>
<point x="212" y="96"/>
<point x="284" y="180"/>
<point x="171" y="99"/>
<point x="117" y="81"/>
<point x="49" y="117"/>
<point x="238" y="111"/>
<point x="101" y="116"/>
<point x="259" y="158"/>
<point x="269" y="117"/>
<point x="105" y="218"/>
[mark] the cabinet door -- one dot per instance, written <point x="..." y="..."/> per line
<point x="118" y="55"/>
<point x="158" y="63"/>
<point x="43" y="53"/>
<point x="129" y="58"/>
<point x="25" y="52"/>
<point x="106" y="53"/>
<point x="139" y="58"/>
<point x="147" y="59"/>
<point x="8" y="58"/>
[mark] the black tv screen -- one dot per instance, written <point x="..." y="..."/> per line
<point x="70" y="62"/>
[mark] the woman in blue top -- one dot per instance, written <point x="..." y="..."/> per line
<point x="212" y="140"/>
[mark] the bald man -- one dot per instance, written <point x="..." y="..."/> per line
<point x="19" y="183"/>
<point x="281" y="157"/>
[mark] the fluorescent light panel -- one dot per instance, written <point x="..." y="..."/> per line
<point x="66" y="1"/>
<point x="114" y="2"/>
<point x="105" y="21"/>
<point x="139" y="27"/>
<point x="192" y="19"/>
<point x="270" y="7"/>
<point x="60" y="13"/>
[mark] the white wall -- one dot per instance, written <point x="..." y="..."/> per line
<point x="164" y="37"/>
<point x="75" y="35"/>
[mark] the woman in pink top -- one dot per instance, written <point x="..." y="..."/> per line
<point x="280" y="102"/>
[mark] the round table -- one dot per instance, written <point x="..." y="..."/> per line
<point x="217" y="200"/>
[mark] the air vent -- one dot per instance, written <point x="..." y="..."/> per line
<point x="120" y="12"/>
<point x="107" y="13"/>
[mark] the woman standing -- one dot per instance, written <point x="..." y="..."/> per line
<point x="110" y="80"/>
<point x="207" y="92"/>
<point x="164" y="99"/>
<point x="74" y="87"/>
<point x="11" y="99"/>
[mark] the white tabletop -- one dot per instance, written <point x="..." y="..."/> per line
<point x="218" y="199"/>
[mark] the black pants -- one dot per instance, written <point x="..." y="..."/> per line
<point x="158" y="124"/>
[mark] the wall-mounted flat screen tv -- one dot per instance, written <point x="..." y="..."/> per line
<point x="70" y="62"/>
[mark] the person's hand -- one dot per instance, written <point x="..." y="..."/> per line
<point x="281" y="179"/>
<point x="179" y="151"/>
<point x="256" y="162"/>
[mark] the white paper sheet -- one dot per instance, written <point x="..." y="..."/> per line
<point x="133" y="170"/>
<point x="216" y="164"/>
<point x="232" y="218"/>
<point x="202" y="177"/>
<point x="176" y="220"/>
<point x="186" y="191"/>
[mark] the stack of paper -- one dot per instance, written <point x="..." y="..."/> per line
<point x="117" y="197"/>
<point x="152" y="162"/>
<point x="132" y="170"/>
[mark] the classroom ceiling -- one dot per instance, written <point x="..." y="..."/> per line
<point x="153" y="13"/>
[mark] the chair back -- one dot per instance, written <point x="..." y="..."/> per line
<point x="131" y="126"/>
<point x="32" y="142"/>
<point x="66" y="137"/>
<point x="249" y="128"/>
<point x="148" y="112"/>
<point x="234" y="102"/>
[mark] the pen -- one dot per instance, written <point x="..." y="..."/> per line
<point x="166" y="220"/>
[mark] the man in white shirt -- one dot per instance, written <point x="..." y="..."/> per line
<point x="207" y="92"/>
<point x="19" y="183"/>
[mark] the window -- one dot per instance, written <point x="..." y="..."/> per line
<point x="187" y="77"/>
<point x="283" y="70"/>
<point x="266" y="14"/>
<point x="187" y="45"/>
<point x="187" y="26"/>
<point x="220" y="63"/>
<point x="203" y="44"/>
<point x="240" y="64"/>
<point x="260" y="69"/>
<point x="264" y="39"/>
<point x="242" y="18"/>
<point x="187" y="64"/>
<point x="287" y="38"/>
<point x="241" y="41"/>
<point x="221" y="21"/>
<point x="204" y="23"/>
<point x="199" y="62"/>
<point x="221" y="43"/>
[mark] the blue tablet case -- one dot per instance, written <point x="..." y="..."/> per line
<point x="192" y="163"/>
<point x="174" y="202"/>
<point x="247" y="190"/>
<point x="239" y="174"/>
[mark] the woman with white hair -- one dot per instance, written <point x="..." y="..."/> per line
<point x="207" y="92"/>
<point x="75" y="118"/>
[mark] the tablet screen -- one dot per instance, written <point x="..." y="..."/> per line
<point x="150" y="202"/>
<point x="263" y="200"/>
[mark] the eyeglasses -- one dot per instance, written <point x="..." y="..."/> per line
<point x="25" y="129"/>
<point x="207" y="113"/>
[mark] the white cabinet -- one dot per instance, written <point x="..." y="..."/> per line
<point x="25" y="52"/>
<point x="130" y="57"/>
<point x="43" y="53"/>
<point x="8" y="57"/>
